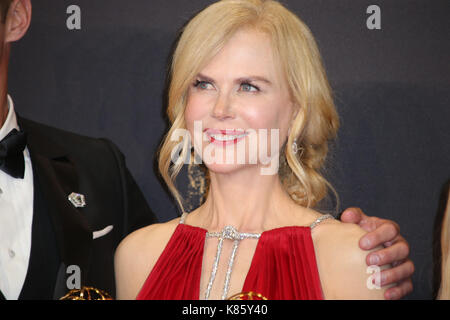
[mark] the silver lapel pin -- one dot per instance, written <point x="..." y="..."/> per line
<point x="78" y="200"/>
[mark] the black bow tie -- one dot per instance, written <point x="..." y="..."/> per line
<point x="11" y="153"/>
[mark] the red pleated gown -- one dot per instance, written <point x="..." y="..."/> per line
<point x="283" y="267"/>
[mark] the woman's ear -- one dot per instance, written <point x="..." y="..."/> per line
<point x="18" y="20"/>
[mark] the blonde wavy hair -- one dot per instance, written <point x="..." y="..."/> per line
<point x="296" y="51"/>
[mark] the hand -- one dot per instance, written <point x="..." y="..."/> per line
<point x="395" y="252"/>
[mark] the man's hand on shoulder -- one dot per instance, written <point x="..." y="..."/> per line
<point x="392" y="249"/>
<point x="343" y="270"/>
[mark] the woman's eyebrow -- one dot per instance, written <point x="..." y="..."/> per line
<point x="253" y="78"/>
<point x="205" y="78"/>
<point x="238" y="80"/>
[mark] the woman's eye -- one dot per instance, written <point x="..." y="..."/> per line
<point x="249" y="88"/>
<point x="202" y="85"/>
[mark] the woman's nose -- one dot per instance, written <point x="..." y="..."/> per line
<point x="223" y="107"/>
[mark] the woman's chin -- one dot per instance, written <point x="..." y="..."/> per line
<point x="225" y="168"/>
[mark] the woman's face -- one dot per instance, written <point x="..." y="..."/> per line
<point x="238" y="93"/>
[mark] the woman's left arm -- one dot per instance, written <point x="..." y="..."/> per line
<point x="390" y="248"/>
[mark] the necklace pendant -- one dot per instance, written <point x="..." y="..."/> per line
<point x="229" y="232"/>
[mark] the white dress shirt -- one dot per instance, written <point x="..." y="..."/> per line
<point x="16" y="217"/>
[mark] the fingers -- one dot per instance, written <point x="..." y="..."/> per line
<point x="386" y="232"/>
<point x="402" y="289"/>
<point x="352" y="215"/>
<point x="397" y="274"/>
<point x="357" y="216"/>
<point x="398" y="251"/>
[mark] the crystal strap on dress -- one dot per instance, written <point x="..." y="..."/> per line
<point x="231" y="233"/>
<point x="183" y="217"/>
<point x="320" y="219"/>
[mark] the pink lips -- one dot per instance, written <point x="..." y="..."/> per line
<point x="230" y="132"/>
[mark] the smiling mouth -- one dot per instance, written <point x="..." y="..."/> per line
<point x="225" y="137"/>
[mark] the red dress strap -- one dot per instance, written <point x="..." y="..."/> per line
<point x="284" y="266"/>
<point x="176" y="274"/>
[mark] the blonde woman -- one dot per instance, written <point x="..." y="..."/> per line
<point x="248" y="88"/>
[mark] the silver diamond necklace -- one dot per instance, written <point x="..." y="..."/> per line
<point x="228" y="232"/>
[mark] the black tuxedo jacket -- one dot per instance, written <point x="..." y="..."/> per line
<point x="62" y="235"/>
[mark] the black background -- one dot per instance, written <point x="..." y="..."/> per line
<point x="391" y="89"/>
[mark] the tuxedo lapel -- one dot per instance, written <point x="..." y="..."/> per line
<point x="58" y="178"/>
<point x="72" y="230"/>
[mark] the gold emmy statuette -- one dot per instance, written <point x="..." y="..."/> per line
<point x="87" y="293"/>
<point x="247" y="296"/>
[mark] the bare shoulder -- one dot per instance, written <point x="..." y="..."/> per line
<point x="331" y="231"/>
<point x="328" y="230"/>
<point x="149" y="237"/>
<point x="341" y="262"/>
<point x="137" y="254"/>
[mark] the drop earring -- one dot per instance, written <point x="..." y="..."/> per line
<point x="294" y="147"/>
